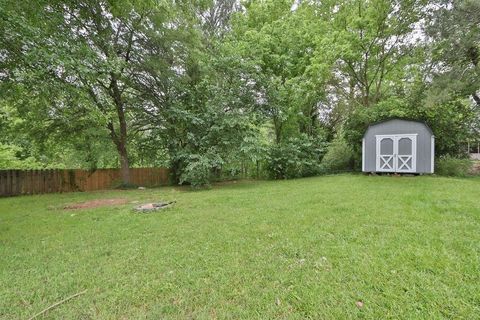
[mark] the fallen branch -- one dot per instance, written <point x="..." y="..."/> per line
<point x="57" y="304"/>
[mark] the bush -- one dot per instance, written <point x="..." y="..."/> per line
<point x="339" y="156"/>
<point x="10" y="160"/>
<point x="296" y="157"/>
<point x="453" y="167"/>
<point x="199" y="169"/>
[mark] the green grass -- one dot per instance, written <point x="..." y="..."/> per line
<point x="311" y="248"/>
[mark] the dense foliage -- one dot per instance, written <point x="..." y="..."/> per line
<point x="296" y="157"/>
<point x="453" y="167"/>
<point x="215" y="89"/>
<point x="339" y="156"/>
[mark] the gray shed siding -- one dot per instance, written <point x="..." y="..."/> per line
<point x="397" y="126"/>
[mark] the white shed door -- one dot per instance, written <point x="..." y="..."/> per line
<point x="396" y="153"/>
<point x="386" y="154"/>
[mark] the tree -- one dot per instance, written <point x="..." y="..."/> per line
<point x="280" y="42"/>
<point x="215" y="16"/>
<point x="212" y="86"/>
<point x="102" y="60"/>
<point x="454" y="31"/>
<point x="210" y="118"/>
<point x="373" y="41"/>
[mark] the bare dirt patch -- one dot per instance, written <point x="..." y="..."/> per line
<point x="96" y="203"/>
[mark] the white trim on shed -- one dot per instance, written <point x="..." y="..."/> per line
<point x="432" y="154"/>
<point x="393" y="161"/>
<point x="397" y="145"/>
<point x="363" y="154"/>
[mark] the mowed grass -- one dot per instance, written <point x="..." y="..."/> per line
<point x="406" y="248"/>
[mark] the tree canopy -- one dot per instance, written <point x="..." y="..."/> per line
<point x="214" y="89"/>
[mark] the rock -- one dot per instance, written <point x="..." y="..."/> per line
<point x="278" y="302"/>
<point x="149" y="207"/>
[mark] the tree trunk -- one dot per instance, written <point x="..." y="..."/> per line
<point x="175" y="171"/>
<point x="277" y="124"/>
<point x="124" y="165"/>
<point x="122" y="150"/>
<point x="120" y="139"/>
<point x="476" y="98"/>
<point x="474" y="56"/>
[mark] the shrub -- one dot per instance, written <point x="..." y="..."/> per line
<point x="339" y="156"/>
<point x="199" y="169"/>
<point x="453" y="167"/>
<point x="294" y="158"/>
<point x="9" y="158"/>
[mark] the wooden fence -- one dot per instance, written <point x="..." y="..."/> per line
<point x="17" y="182"/>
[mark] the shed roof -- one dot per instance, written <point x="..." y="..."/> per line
<point x="404" y="119"/>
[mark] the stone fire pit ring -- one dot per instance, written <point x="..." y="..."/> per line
<point x="154" y="206"/>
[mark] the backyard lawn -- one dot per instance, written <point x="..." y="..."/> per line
<point x="333" y="247"/>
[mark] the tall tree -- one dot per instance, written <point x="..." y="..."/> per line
<point x="215" y="16"/>
<point x="454" y="31"/>
<point x="280" y="42"/>
<point x="372" y="40"/>
<point x="97" y="57"/>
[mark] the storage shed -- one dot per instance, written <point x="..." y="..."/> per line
<point x="398" y="145"/>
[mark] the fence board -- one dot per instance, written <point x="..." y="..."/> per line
<point x="35" y="185"/>
<point x="18" y="182"/>
<point x="2" y="182"/>
<point x="9" y="183"/>
<point x="14" y="182"/>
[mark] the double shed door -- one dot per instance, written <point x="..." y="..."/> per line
<point x="396" y="153"/>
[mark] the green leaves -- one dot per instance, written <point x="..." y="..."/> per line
<point x="212" y="86"/>
<point x="9" y="158"/>
<point x="455" y="49"/>
<point x="296" y="157"/>
<point x="93" y="64"/>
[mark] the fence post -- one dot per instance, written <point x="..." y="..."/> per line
<point x="38" y="176"/>
<point x="9" y="182"/>
<point x="14" y="182"/>
<point x="31" y="182"/>
<point x="42" y="181"/>
<point x="56" y="181"/>
<point x="20" y="181"/>
<point x="35" y="181"/>
<point x="48" y="181"/>
<point x="26" y="180"/>
<point x="2" y="183"/>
